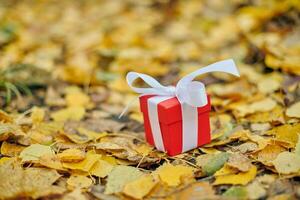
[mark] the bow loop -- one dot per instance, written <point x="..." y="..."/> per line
<point x="193" y="93"/>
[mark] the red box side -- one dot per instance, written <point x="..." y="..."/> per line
<point x="203" y="129"/>
<point x="148" y="131"/>
<point x="172" y="135"/>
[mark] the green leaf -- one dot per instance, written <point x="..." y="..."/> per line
<point x="119" y="176"/>
<point x="236" y="193"/>
<point x="215" y="163"/>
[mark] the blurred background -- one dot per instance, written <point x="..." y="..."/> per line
<point x="48" y="45"/>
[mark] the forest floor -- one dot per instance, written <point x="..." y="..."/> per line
<point x="63" y="66"/>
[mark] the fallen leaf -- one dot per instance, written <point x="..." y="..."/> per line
<point x="287" y="163"/>
<point x="70" y="113"/>
<point x="197" y="190"/>
<point x="239" y="162"/>
<point x="268" y="85"/>
<point x="119" y="177"/>
<point x="34" y="152"/>
<point x="144" y="149"/>
<point x="286" y="133"/>
<point x="85" y="165"/>
<point x="246" y="147"/>
<point x="37" y="115"/>
<point x="172" y="174"/>
<point x="237" y="192"/>
<point x="76" y="194"/>
<point x="269" y="153"/>
<point x="294" y="110"/>
<point x="264" y="105"/>
<point x="241" y="178"/>
<point x="101" y="168"/>
<point x="75" y="97"/>
<point x="140" y="187"/>
<point x="78" y="182"/>
<point x="256" y="190"/>
<point x="9" y="149"/>
<point x="33" y="182"/>
<point x="212" y="162"/>
<point x="51" y="161"/>
<point x="71" y="155"/>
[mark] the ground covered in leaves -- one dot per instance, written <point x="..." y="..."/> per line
<point x="62" y="69"/>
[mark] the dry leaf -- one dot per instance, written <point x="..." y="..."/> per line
<point x="119" y="177"/>
<point x="86" y="164"/>
<point x="70" y="113"/>
<point x="34" y="152"/>
<point x="37" y="115"/>
<point x="172" y="174"/>
<point x="241" y="178"/>
<point x="71" y="155"/>
<point x="9" y="149"/>
<point x="140" y="187"/>
<point x="197" y="190"/>
<point x="239" y="162"/>
<point x="293" y="110"/>
<point x="78" y="182"/>
<point x="264" y="105"/>
<point x="287" y="163"/>
<point x="34" y="182"/>
<point x="256" y="190"/>
<point x="101" y="168"/>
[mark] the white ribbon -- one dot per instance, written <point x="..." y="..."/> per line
<point x="191" y="94"/>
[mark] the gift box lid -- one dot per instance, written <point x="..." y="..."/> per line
<point x="169" y="111"/>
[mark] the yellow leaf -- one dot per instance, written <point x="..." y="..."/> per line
<point x="70" y="113"/>
<point x="91" y="135"/>
<point x="37" y="136"/>
<point x="4" y="159"/>
<point x="37" y="115"/>
<point x="144" y="149"/>
<point x="101" y="168"/>
<point x="51" y="161"/>
<point x="140" y="187"/>
<point x="240" y="162"/>
<point x="86" y="164"/>
<point x="294" y="110"/>
<point x="287" y="133"/>
<point x="241" y="178"/>
<point x="83" y="135"/>
<point x="264" y="105"/>
<point x="4" y="117"/>
<point x="198" y="190"/>
<point x="268" y="85"/>
<point x="76" y="194"/>
<point x="71" y="155"/>
<point x="172" y="174"/>
<point x="119" y="177"/>
<point x="9" y="149"/>
<point x="269" y="153"/>
<point x="287" y="163"/>
<point x="34" y="182"/>
<point x="34" y="152"/>
<point x="75" y="97"/>
<point x="111" y="160"/>
<point x="78" y="182"/>
<point x="226" y="170"/>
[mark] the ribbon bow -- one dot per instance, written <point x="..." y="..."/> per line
<point x="187" y="91"/>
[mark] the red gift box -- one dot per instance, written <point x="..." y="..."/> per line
<point x="170" y="121"/>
